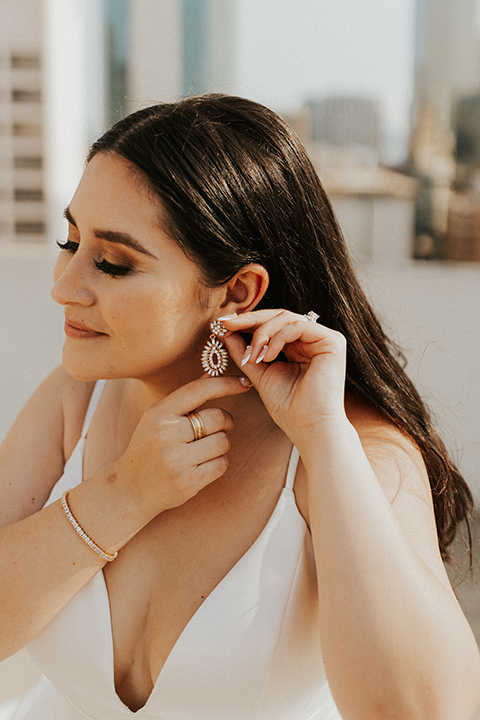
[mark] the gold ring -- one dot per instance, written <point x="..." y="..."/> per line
<point x="198" y="427"/>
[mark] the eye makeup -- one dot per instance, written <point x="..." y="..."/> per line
<point x="111" y="269"/>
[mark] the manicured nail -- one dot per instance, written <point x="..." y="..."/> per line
<point x="228" y="317"/>
<point x="246" y="355"/>
<point x="262" y="354"/>
<point x="245" y="382"/>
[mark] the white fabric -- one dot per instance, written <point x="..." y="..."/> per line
<point x="250" y="652"/>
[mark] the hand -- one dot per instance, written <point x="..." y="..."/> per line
<point x="304" y="392"/>
<point x="163" y="466"/>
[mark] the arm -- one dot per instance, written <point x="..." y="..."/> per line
<point x="32" y="454"/>
<point x="395" y="642"/>
<point x="43" y="562"/>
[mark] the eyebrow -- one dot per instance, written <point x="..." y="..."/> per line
<point x="120" y="238"/>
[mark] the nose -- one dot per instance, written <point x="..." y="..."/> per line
<point x="71" y="284"/>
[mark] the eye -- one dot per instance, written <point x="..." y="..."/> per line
<point x="103" y="265"/>
<point x="68" y="245"/>
<point x="110" y="269"/>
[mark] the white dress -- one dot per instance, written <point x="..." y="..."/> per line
<point x="250" y="652"/>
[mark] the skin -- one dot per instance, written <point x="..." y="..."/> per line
<point x="395" y="642"/>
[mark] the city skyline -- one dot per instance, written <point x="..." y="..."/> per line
<point x="288" y="53"/>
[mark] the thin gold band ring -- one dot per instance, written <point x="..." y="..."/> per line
<point x="198" y="427"/>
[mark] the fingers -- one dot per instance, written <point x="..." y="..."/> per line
<point x="277" y="331"/>
<point x="211" y="470"/>
<point x="271" y="337"/>
<point x="210" y="447"/>
<point x="251" y="319"/>
<point x="206" y="459"/>
<point x="272" y="331"/>
<point x="237" y="349"/>
<point x="196" y="393"/>
<point x="212" y="420"/>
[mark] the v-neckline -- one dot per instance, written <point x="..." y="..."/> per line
<point x="285" y="494"/>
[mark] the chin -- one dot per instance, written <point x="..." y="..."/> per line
<point x="84" y="372"/>
<point x="82" y="375"/>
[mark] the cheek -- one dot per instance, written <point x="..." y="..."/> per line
<point x="168" y="321"/>
<point x="138" y="315"/>
<point x="158" y="310"/>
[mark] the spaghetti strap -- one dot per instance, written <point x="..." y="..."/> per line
<point x="92" y="405"/>
<point x="262" y="612"/>
<point x="292" y="467"/>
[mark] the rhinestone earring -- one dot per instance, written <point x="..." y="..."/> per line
<point x="214" y="355"/>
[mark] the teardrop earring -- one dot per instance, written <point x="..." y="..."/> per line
<point x="214" y="355"/>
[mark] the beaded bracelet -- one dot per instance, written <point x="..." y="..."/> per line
<point x="81" y="532"/>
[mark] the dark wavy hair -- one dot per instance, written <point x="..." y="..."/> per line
<point x="237" y="187"/>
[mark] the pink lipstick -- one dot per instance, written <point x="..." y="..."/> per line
<point x="79" y="331"/>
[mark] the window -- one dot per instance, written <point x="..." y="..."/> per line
<point x="28" y="195"/>
<point x="25" y="62"/>
<point x="26" y="95"/>
<point x="30" y="163"/>
<point x="30" y="228"/>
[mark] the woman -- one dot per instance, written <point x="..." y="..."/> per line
<point x="186" y="565"/>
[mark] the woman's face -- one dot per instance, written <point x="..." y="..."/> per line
<point x="131" y="296"/>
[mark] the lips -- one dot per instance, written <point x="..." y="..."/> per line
<point x="76" y="329"/>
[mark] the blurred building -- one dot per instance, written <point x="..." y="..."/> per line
<point x="463" y="232"/>
<point x="177" y="48"/>
<point x="375" y="206"/>
<point x="44" y="112"/>
<point x="22" y="198"/>
<point x="447" y="66"/>
<point x="463" y="229"/>
<point x="346" y="122"/>
<point x="467" y="131"/>
<point x="433" y="164"/>
<point x="69" y="68"/>
<point x="447" y="56"/>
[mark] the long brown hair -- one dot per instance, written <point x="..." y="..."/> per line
<point x="237" y="187"/>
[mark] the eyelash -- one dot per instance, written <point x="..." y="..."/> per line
<point x="103" y="265"/>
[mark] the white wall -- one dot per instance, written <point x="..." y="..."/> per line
<point x="31" y="327"/>
<point x="376" y="227"/>
<point x="433" y="310"/>
<point x="21" y="24"/>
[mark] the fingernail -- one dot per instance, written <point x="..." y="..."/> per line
<point x="262" y="354"/>
<point x="245" y="382"/>
<point x="228" y="317"/>
<point x="246" y="355"/>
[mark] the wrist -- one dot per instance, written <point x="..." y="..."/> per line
<point x="107" y="510"/>
<point x="332" y="436"/>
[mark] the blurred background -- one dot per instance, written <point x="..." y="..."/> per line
<point x="386" y="97"/>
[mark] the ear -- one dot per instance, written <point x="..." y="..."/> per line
<point x="245" y="290"/>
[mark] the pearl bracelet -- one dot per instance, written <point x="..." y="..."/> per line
<point x="81" y="532"/>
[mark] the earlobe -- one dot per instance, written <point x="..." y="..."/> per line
<point x="245" y="289"/>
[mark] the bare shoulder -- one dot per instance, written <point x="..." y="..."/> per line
<point x="33" y="454"/>
<point x="393" y="455"/>
<point x="399" y="467"/>
<point x="395" y="458"/>
<point x="400" y="470"/>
